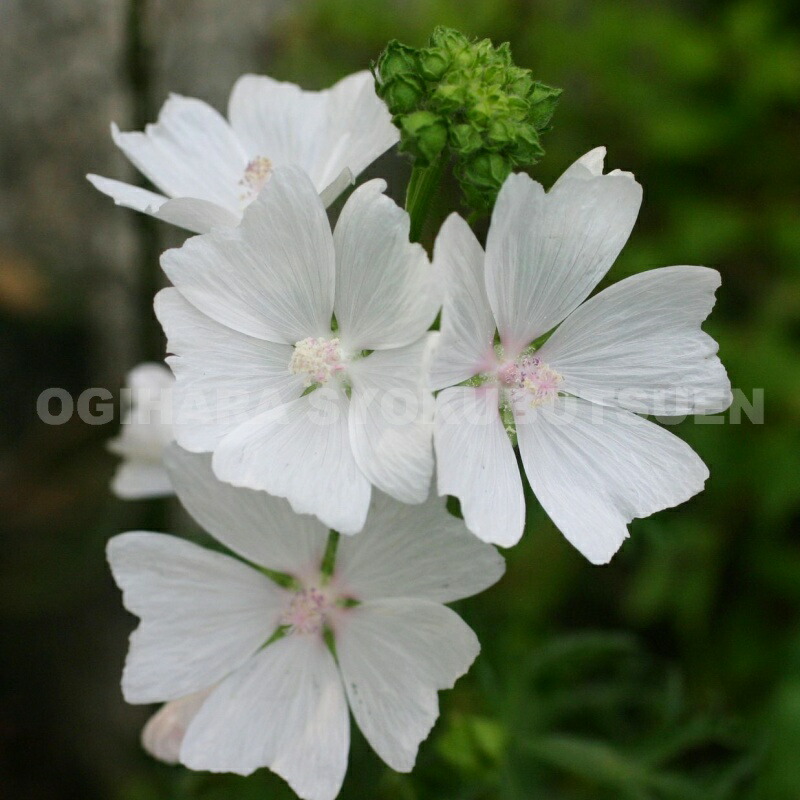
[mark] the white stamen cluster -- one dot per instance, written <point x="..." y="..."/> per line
<point x="317" y="359"/>
<point x="255" y="177"/>
<point x="529" y="375"/>
<point x="307" y="611"/>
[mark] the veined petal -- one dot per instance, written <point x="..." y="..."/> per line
<point x="279" y="121"/>
<point x="286" y="710"/>
<point x="272" y="277"/>
<point x="386" y="293"/>
<point x="394" y="656"/>
<point x="301" y="451"/>
<point x="202" y="614"/>
<point x="332" y="134"/>
<point x="190" y="152"/>
<point x="224" y="377"/>
<point x="127" y="195"/>
<point x="587" y="166"/>
<point x="419" y="551"/>
<point x="391" y="420"/>
<point x="546" y="252"/>
<point x="259" y="527"/>
<point x="595" y="468"/>
<point x="466" y="345"/>
<point x="198" y="216"/>
<point x="358" y="128"/>
<point x="475" y="462"/>
<point x="638" y="345"/>
<point x="163" y="734"/>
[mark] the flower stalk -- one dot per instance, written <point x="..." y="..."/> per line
<point x="421" y="188"/>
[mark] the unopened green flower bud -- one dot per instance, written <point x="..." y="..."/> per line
<point x="482" y="177"/>
<point x="466" y="98"/>
<point x="403" y="93"/>
<point x="424" y="135"/>
<point x="397" y="59"/>
<point x="448" y="40"/>
<point x="464" y="139"/>
<point x="433" y="63"/>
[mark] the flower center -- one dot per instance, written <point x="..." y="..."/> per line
<point x="317" y="359"/>
<point x="256" y="174"/>
<point x="306" y="613"/>
<point x="531" y="379"/>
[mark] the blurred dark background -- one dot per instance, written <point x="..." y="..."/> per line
<point x="672" y="673"/>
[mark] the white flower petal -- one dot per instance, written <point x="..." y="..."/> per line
<point x="336" y="187"/>
<point x="333" y="134"/>
<point x="588" y="165"/>
<point x="417" y="551"/>
<point x="273" y="276"/>
<point x="190" y="152"/>
<point x="595" y="468"/>
<point x="279" y="121"/>
<point x="358" y="127"/>
<point x="394" y="656"/>
<point x="198" y="216"/>
<point x="386" y="293"/>
<point x="301" y="451"/>
<point x="149" y="376"/>
<point x="137" y="480"/>
<point x="466" y="346"/>
<point x="146" y="429"/>
<point x="128" y="196"/>
<point x="202" y="614"/>
<point x="224" y="378"/>
<point x="475" y="462"/>
<point x="391" y="420"/>
<point x="638" y="345"/>
<point x="546" y="252"/>
<point x="285" y="710"/>
<point x="259" y="527"/>
<point x="163" y="734"/>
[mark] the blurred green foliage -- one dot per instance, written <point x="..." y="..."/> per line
<point x="673" y="673"/>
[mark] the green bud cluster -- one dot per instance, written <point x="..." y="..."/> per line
<point x="466" y="99"/>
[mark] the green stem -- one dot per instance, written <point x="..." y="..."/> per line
<point x="421" y="188"/>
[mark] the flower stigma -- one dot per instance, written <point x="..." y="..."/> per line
<point x="255" y="177"/>
<point x="317" y="359"/>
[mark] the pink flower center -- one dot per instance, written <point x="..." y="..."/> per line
<point x="307" y="611"/>
<point x="529" y="378"/>
<point x="316" y="359"/>
<point x="256" y="175"/>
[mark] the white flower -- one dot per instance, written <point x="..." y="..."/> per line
<point x="145" y="432"/>
<point x="242" y="657"/>
<point x="636" y="346"/>
<point x="209" y="169"/>
<point x="286" y="403"/>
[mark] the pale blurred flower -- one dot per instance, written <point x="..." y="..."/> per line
<point x="300" y="356"/>
<point x="243" y="656"/>
<point x="145" y="432"/>
<point x="208" y="169"/>
<point x="636" y="346"/>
